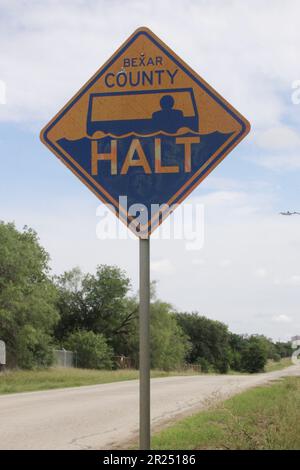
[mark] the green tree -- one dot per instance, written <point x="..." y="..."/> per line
<point x="209" y="339"/>
<point x="284" y="349"/>
<point x="92" y="349"/>
<point x="27" y="298"/>
<point x="254" y="354"/>
<point x="169" y="344"/>
<point x="95" y="302"/>
<point x="236" y="345"/>
<point x="269" y="346"/>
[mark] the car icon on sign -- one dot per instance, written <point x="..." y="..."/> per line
<point x="142" y="112"/>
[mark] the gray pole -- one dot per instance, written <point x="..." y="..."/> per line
<point x="144" y="321"/>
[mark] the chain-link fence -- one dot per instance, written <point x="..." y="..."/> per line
<point x="64" y="358"/>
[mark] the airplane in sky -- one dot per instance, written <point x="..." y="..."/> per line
<point x="289" y="213"/>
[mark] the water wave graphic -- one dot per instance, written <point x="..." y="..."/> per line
<point x="180" y="133"/>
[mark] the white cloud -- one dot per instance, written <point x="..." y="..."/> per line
<point x="281" y="137"/>
<point x="280" y="162"/>
<point x="50" y="48"/>
<point x="261" y="273"/>
<point x="217" y="198"/>
<point x="198" y="262"/>
<point x="252" y="199"/>
<point x="225" y="263"/>
<point x="294" y="280"/>
<point x="162" y="266"/>
<point x="282" y="319"/>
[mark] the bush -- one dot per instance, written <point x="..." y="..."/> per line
<point x="204" y="364"/>
<point x="254" y="355"/>
<point x="235" y="360"/>
<point x="169" y="344"/>
<point x="222" y="365"/>
<point x="92" y="349"/>
<point x="34" y="349"/>
<point x="276" y="357"/>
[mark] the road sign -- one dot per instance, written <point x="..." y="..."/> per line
<point x="144" y="131"/>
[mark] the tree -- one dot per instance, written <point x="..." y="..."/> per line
<point x="236" y="346"/>
<point x="209" y="339"/>
<point x="169" y="344"/>
<point x="254" y="355"/>
<point x="97" y="303"/>
<point x="92" y="349"/>
<point x="27" y="298"/>
<point x="269" y="346"/>
<point x="284" y="349"/>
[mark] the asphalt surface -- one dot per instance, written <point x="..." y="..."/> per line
<point x="106" y="416"/>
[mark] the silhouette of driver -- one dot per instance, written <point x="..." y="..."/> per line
<point x="167" y="119"/>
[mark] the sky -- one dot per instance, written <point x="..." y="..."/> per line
<point x="247" y="271"/>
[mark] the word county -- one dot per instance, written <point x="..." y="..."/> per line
<point x="133" y="78"/>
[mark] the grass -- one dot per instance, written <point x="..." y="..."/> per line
<point x="261" y="418"/>
<point x="272" y="365"/>
<point x="46" y="379"/>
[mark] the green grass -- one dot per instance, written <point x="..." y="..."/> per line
<point x="261" y="418"/>
<point x="27" y="381"/>
<point x="272" y="365"/>
<point x="44" y="379"/>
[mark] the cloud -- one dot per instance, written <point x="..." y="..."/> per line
<point x="250" y="199"/>
<point x="50" y="48"/>
<point x="261" y="273"/>
<point x="282" y="319"/>
<point x="294" y="280"/>
<point x="281" y="147"/>
<point x="280" y="162"/>
<point x="198" y="261"/>
<point x="277" y="138"/>
<point x="225" y="263"/>
<point x="162" y="266"/>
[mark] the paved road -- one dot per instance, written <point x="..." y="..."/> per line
<point x="106" y="416"/>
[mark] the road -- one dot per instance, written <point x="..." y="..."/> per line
<point x="106" y="416"/>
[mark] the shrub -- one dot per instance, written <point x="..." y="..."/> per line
<point x="169" y="344"/>
<point x="34" y="348"/>
<point x="204" y="364"/>
<point x="92" y="349"/>
<point x="276" y="357"/>
<point x="254" y="356"/>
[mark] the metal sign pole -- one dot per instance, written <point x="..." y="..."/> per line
<point x="144" y="324"/>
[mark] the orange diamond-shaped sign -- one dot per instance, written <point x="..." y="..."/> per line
<point x="144" y="131"/>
